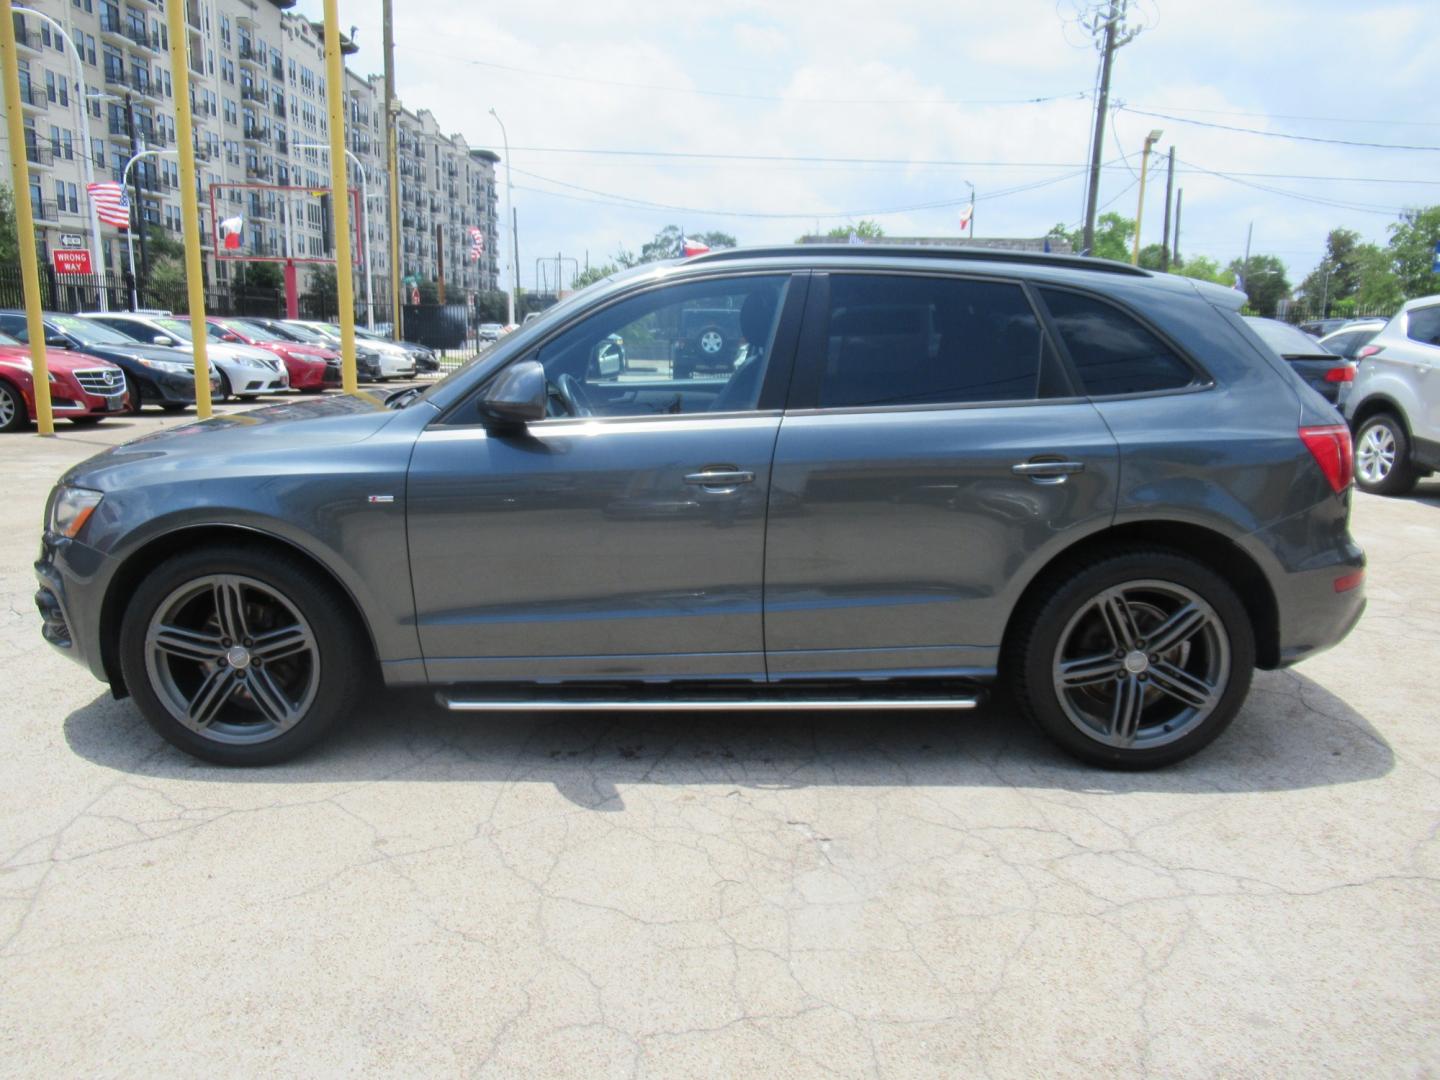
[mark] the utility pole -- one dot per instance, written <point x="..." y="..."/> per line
<point x="1169" y="192"/>
<point x="139" y="206"/>
<point x="1179" y="199"/>
<point x="1245" y="266"/>
<point x="1108" y="24"/>
<point x="1150" y="141"/>
<point x="440" y="264"/>
<point x="515" y="238"/>
<point x="392" y="166"/>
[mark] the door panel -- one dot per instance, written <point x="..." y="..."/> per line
<point x="899" y="541"/>
<point x="578" y="549"/>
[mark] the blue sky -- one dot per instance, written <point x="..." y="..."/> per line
<point x="926" y="86"/>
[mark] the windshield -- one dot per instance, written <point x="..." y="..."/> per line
<point x="296" y="332"/>
<point x="89" y="332"/>
<point x="177" y="327"/>
<point x="6" y="339"/>
<point x="1285" y="339"/>
<point x="253" y="331"/>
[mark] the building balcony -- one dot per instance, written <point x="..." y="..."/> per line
<point x="44" y="210"/>
<point x="282" y="144"/>
<point x="33" y="97"/>
<point x="40" y="153"/>
<point x="138" y="35"/>
<point x="143" y="84"/>
<point x="26" y="38"/>
<point x="112" y="26"/>
<point x="249" y="54"/>
<point x="257" y="134"/>
<point x="251" y="92"/>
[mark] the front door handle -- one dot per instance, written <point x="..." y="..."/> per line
<point x="1047" y="472"/>
<point x="720" y="480"/>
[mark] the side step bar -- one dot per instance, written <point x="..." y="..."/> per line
<point x="456" y="703"/>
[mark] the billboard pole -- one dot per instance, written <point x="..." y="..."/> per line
<point x="339" y="182"/>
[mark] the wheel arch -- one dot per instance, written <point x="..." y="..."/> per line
<point x="139" y="563"/>
<point x="1206" y="546"/>
<point x="1374" y="405"/>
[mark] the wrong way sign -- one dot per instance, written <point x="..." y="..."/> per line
<point x="72" y="262"/>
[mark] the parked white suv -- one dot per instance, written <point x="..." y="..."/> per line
<point x="1394" y="406"/>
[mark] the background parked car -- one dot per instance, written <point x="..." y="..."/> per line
<point x="311" y="367"/>
<point x="83" y="389"/>
<point x="490" y="331"/>
<point x="425" y="358"/>
<point x="1394" y="406"/>
<point x="244" y="371"/>
<point x="154" y="375"/>
<point x="1314" y="363"/>
<point x="395" y="362"/>
<point x="367" y="360"/>
<point x="1320" y="327"/>
<point x="708" y="341"/>
<point x="1352" y="337"/>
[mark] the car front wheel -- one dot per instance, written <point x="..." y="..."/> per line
<point x="13" y="416"/>
<point x="241" y="656"/>
<point x="1382" y="457"/>
<point x="1134" y="661"/>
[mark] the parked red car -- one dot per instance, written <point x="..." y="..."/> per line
<point x="83" y="388"/>
<point x="311" y="367"/>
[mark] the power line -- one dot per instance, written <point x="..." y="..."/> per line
<point x="1073" y="95"/>
<point x="1300" y="116"/>
<point x="1275" y="134"/>
<point x="1365" y="208"/>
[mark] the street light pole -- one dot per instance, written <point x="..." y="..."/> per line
<point x="365" y="198"/>
<point x="130" y="233"/>
<point x="83" y="102"/>
<point x="1150" y="141"/>
<point x="509" y="213"/>
<point x="971" y="222"/>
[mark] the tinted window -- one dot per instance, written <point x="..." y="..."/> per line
<point x="700" y="346"/>
<point x="89" y="332"/>
<point x="1113" y="353"/>
<point x="1285" y="339"/>
<point x="899" y="340"/>
<point x="1423" y="325"/>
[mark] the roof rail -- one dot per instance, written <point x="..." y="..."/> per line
<point x="924" y="251"/>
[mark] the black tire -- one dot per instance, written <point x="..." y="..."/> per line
<point x="13" y="414"/>
<point x="132" y="391"/>
<point x="1400" y="477"/>
<point x="1034" y="652"/>
<point x="86" y="421"/>
<point x="226" y="393"/>
<point x="342" y="671"/>
<point x="173" y="406"/>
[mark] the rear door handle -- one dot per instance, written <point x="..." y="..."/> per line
<point x="720" y="479"/>
<point x="1047" y="472"/>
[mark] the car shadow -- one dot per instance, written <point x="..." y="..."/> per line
<point x="1291" y="734"/>
<point x="1428" y="492"/>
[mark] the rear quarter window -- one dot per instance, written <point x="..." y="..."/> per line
<point x="1112" y="352"/>
<point x="1423" y="325"/>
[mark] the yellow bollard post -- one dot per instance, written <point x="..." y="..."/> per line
<point x="189" y="201"/>
<point x="25" y="222"/>
<point x="340" y="195"/>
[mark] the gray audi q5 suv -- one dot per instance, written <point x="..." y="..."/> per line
<point x="924" y="471"/>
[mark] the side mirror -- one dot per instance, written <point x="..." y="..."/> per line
<point x="56" y="341"/>
<point x="161" y="339"/>
<point x="518" y="395"/>
<point x="228" y="336"/>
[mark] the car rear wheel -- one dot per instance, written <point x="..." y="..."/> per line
<point x="241" y="656"/>
<point x="226" y="393"/>
<point x="1382" y="457"/>
<point x="13" y="416"/>
<point x="132" y="393"/>
<point x="1134" y="661"/>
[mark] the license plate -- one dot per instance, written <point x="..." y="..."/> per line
<point x="114" y="404"/>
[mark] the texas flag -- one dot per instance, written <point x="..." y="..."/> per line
<point x="693" y="247"/>
<point x="230" y="230"/>
<point x="966" y="214"/>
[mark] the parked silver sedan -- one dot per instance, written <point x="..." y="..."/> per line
<point x="245" y="371"/>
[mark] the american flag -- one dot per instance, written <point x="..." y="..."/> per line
<point x="477" y="244"/>
<point x="112" y="205"/>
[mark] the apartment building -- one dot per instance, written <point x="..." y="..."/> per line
<point x="258" y="96"/>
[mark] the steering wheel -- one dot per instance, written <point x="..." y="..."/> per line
<point x="572" y="395"/>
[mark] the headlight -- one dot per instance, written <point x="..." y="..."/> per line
<point x="71" y="509"/>
<point x="167" y="365"/>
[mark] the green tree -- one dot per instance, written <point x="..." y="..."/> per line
<point x="1337" y="277"/>
<point x="322" y="295"/>
<point x="1264" y="282"/>
<point x="1152" y="256"/>
<point x="865" y="229"/>
<point x="1412" y="246"/>
<point x="1203" y="269"/>
<point x="256" y="278"/>
<point x="592" y="274"/>
<point x="1113" y="235"/>
<point x="491" y="306"/>
<point x="166" y="287"/>
<point x="9" y="247"/>
<point x="669" y="243"/>
<point x="1378" y="286"/>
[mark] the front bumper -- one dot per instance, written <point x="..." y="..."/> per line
<point x="250" y="382"/>
<point x="72" y="579"/>
<point x="168" y="388"/>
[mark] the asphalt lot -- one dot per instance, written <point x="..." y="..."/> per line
<point x="793" y="895"/>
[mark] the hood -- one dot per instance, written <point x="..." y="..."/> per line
<point x="235" y="353"/>
<point x="138" y="351"/>
<point x="283" y="430"/>
<point x="57" y="360"/>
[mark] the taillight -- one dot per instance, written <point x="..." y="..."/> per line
<point x="1343" y="373"/>
<point x="1367" y="351"/>
<point x="1333" y="452"/>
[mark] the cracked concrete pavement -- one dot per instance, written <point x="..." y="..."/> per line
<point x="792" y="895"/>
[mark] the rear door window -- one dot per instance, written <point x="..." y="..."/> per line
<point x="1113" y="353"/>
<point x="1423" y="325"/>
<point x="909" y="340"/>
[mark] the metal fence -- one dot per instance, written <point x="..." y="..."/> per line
<point x="83" y="292"/>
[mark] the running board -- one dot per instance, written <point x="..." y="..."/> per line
<point x="704" y="704"/>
